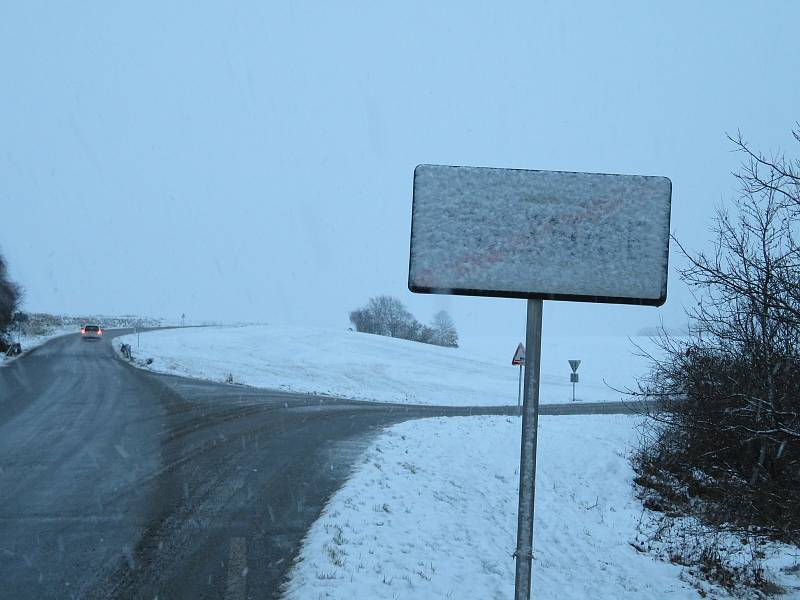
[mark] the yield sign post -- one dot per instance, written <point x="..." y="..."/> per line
<point x="574" y="364"/>
<point x="519" y="359"/>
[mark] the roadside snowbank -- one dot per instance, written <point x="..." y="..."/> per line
<point x="430" y="512"/>
<point x="360" y="366"/>
<point x="29" y="342"/>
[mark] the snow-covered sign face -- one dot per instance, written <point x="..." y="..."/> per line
<point x="540" y="234"/>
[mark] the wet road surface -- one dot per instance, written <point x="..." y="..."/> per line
<point x="120" y="483"/>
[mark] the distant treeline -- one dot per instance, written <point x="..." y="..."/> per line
<point x="386" y="315"/>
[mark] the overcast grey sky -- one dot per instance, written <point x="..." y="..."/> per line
<point x="254" y="160"/>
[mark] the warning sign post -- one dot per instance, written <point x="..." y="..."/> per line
<point x="519" y="359"/>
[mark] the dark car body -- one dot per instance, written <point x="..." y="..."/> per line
<point x="91" y="332"/>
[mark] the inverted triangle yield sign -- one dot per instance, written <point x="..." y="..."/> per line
<point x="574" y="364"/>
<point x="519" y="356"/>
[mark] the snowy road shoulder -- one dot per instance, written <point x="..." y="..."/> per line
<point x="30" y="342"/>
<point x="430" y="512"/>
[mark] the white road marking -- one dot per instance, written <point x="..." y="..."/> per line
<point x="237" y="570"/>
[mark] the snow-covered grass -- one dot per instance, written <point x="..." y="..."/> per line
<point x="29" y="342"/>
<point x="430" y="512"/>
<point x="361" y="366"/>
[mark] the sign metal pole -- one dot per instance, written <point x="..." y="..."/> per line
<point x="519" y="391"/>
<point x="527" y="471"/>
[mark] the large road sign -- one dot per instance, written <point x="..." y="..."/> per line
<point x="551" y="235"/>
<point x="540" y="235"/>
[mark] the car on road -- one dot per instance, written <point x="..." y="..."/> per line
<point x="91" y="332"/>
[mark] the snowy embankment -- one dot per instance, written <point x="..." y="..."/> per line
<point x="360" y="366"/>
<point x="430" y="512"/>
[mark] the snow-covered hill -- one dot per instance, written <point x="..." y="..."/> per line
<point x="369" y="367"/>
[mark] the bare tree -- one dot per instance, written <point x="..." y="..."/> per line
<point x="10" y="297"/>
<point x="444" y="330"/>
<point x="728" y="428"/>
<point x="364" y="321"/>
<point x="386" y="315"/>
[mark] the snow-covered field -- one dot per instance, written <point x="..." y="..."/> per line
<point x="430" y="512"/>
<point x="369" y="367"/>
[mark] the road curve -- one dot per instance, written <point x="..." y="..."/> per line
<point x="120" y="483"/>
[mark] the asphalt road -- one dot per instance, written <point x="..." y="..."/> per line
<point x="119" y="483"/>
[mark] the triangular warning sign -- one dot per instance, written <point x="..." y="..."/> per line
<point x="574" y="364"/>
<point x="519" y="356"/>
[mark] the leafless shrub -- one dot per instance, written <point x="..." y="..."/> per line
<point x="10" y="297"/>
<point x="724" y="441"/>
